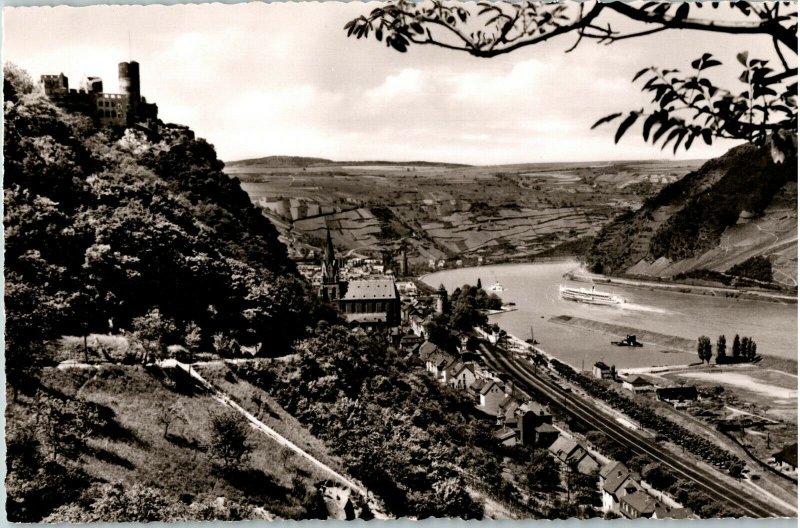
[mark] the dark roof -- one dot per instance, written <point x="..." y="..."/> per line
<point x="612" y="467"/>
<point x="504" y="434"/>
<point x="641" y="501"/>
<point x="478" y="384"/>
<point x="638" y="381"/>
<point x="788" y="454"/>
<point x="376" y="289"/>
<point x="486" y="388"/>
<point x="563" y="447"/>
<point x="546" y="428"/>
<point x="665" y="512"/>
<point x="427" y="349"/>
<point x="616" y="479"/>
<point x="508" y="402"/>
<point x="602" y="366"/>
<point x="677" y="393"/>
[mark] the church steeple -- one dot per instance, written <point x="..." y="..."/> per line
<point x="330" y="270"/>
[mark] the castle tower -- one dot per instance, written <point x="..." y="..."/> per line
<point x="403" y="263"/>
<point x="330" y="271"/>
<point x="441" y="299"/>
<point x="129" y="81"/>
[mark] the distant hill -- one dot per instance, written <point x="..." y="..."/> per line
<point x="731" y="209"/>
<point x="300" y="161"/>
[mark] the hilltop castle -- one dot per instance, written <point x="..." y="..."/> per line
<point x="127" y="108"/>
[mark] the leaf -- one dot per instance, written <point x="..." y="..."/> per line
<point x="606" y="119"/>
<point x="682" y="12"/>
<point x="640" y="73"/>
<point x="706" y="133"/>
<point x="625" y="125"/>
<point x="651" y="120"/>
<point x="710" y="64"/>
<point x="742" y="57"/>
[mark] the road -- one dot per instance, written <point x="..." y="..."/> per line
<point x="526" y="377"/>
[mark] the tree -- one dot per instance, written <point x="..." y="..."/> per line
<point x="736" y="350"/>
<point x="229" y="439"/>
<point x="193" y="338"/>
<point x="167" y="415"/>
<point x="479" y="285"/>
<point x="542" y="471"/>
<point x="704" y="348"/>
<point x="721" y="349"/>
<point x="151" y="332"/>
<point x="685" y="107"/>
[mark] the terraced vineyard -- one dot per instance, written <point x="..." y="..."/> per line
<point x="447" y="212"/>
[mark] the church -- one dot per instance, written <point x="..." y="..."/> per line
<point x="368" y="303"/>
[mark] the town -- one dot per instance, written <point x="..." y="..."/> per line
<point x="377" y="263"/>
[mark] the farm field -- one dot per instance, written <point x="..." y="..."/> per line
<point x="447" y="212"/>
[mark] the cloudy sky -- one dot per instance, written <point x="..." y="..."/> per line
<point x="283" y="79"/>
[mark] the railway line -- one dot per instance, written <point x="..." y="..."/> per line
<point x="527" y="378"/>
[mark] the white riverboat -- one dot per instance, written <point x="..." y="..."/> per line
<point x="496" y="287"/>
<point x="588" y="296"/>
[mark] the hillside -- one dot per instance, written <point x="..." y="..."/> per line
<point x="136" y="233"/>
<point x="301" y="161"/>
<point x="128" y="448"/>
<point x="731" y="209"/>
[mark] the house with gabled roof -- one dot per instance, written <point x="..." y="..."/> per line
<point x="438" y="363"/>
<point x="461" y="375"/>
<point x="637" y="384"/>
<point x="616" y="481"/>
<point x="572" y="454"/>
<point x="492" y="395"/>
<point x="506" y="436"/>
<point x="638" y="504"/>
<point x="507" y="409"/>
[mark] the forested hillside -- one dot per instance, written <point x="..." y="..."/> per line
<point x="103" y="227"/>
<point x="733" y="208"/>
<point x="112" y="231"/>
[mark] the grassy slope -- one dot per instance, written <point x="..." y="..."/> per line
<point x="135" y="451"/>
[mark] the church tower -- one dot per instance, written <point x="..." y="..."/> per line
<point x="330" y="289"/>
<point x="441" y="299"/>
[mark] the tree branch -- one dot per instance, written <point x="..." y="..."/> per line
<point x="767" y="27"/>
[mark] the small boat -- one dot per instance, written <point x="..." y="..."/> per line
<point x="589" y="296"/>
<point x="630" y="340"/>
<point x="496" y="287"/>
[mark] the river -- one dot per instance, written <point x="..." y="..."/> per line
<point x="534" y="290"/>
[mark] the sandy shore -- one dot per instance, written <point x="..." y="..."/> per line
<point x="717" y="291"/>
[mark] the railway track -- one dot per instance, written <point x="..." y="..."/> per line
<point x="528" y="379"/>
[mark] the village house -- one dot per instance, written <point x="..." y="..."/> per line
<point x="602" y="371"/>
<point x="492" y="394"/>
<point x="786" y="458"/>
<point x="507" y="409"/>
<point x="461" y="375"/>
<point x="572" y="454"/>
<point x="506" y="436"/>
<point x="677" y="396"/>
<point x="530" y="417"/>
<point x="544" y="435"/>
<point x="637" y="384"/>
<point x="638" y="504"/>
<point x="438" y="363"/>
<point x="616" y="481"/>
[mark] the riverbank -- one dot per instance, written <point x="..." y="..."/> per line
<point x="674" y="343"/>
<point x="675" y="287"/>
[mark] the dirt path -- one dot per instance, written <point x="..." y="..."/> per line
<point x="260" y="426"/>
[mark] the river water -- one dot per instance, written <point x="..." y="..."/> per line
<point x="534" y="289"/>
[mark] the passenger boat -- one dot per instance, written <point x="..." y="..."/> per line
<point x="496" y="287"/>
<point x="589" y="296"/>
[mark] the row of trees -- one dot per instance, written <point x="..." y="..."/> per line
<point x="743" y="349"/>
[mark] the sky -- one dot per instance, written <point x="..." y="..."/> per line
<point x="282" y="79"/>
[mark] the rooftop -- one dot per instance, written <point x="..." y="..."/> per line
<point x="376" y="289"/>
